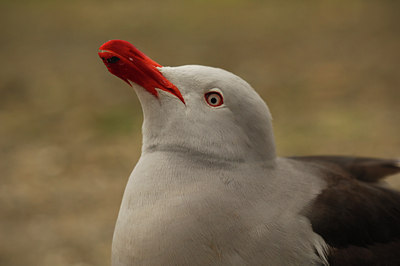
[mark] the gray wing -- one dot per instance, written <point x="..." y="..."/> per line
<point x="358" y="218"/>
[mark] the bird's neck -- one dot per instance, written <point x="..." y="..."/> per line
<point x="227" y="153"/>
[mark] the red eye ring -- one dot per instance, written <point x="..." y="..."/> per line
<point x="214" y="98"/>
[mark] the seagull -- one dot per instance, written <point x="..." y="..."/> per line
<point x="209" y="188"/>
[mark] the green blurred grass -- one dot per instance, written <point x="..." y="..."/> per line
<point x="70" y="132"/>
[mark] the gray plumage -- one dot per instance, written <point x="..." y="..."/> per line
<point x="210" y="190"/>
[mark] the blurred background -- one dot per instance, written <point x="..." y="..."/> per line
<point x="70" y="131"/>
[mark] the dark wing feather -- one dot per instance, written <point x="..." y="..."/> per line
<point x="358" y="219"/>
<point x="363" y="168"/>
<point x="378" y="254"/>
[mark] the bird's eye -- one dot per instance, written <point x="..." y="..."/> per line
<point x="214" y="98"/>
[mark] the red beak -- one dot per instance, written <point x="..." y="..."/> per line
<point x="129" y="64"/>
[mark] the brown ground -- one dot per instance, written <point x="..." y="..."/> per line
<point x="70" y="132"/>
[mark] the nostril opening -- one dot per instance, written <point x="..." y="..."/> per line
<point x="113" y="59"/>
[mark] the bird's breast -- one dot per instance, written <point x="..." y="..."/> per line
<point x="201" y="216"/>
